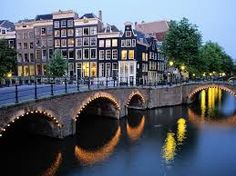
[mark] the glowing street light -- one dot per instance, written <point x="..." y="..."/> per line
<point x="9" y="75"/>
<point x="171" y="63"/>
<point x="182" y="67"/>
<point x="194" y="74"/>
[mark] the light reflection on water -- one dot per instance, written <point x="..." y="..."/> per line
<point x="144" y="143"/>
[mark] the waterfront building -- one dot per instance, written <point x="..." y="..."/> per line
<point x="7" y="32"/>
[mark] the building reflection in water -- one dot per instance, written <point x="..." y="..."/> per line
<point x="134" y="133"/>
<point x="89" y="157"/>
<point x="169" y="149"/>
<point x="203" y="103"/>
<point x="54" y="167"/>
<point x="214" y="96"/>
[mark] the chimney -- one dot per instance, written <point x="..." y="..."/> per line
<point x="100" y="15"/>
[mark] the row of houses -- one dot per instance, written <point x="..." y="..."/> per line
<point x="92" y="48"/>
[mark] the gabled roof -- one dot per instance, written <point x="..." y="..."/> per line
<point x="153" y="27"/>
<point x="43" y="17"/>
<point x="88" y="15"/>
<point x="7" y="24"/>
<point x="110" y="28"/>
<point x="141" y="37"/>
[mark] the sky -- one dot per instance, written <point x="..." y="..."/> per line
<point x="216" y="19"/>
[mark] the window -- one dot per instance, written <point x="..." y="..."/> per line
<point x="115" y="54"/>
<point x="143" y="57"/>
<point x="93" y="41"/>
<point x="57" y="43"/>
<point x="79" y="42"/>
<point x="108" y="43"/>
<point x="64" y="53"/>
<point x="132" y="68"/>
<point x="131" y="54"/>
<point x="56" y="24"/>
<point x="25" y="45"/>
<point x="50" y="53"/>
<point x="71" y="42"/>
<point x="70" y="23"/>
<point x="108" y="70"/>
<point x="43" y="31"/>
<point x="114" y="42"/>
<point x="44" y="43"/>
<point x="38" y="54"/>
<point x="101" y="70"/>
<point x="93" y="53"/>
<point x="128" y="33"/>
<point x="86" y="54"/>
<point x="101" y="43"/>
<point x="128" y="43"/>
<point x="71" y="54"/>
<point x="86" y="41"/>
<point x="19" y="46"/>
<point x="63" y="33"/>
<point x="78" y="32"/>
<point x="79" y="54"/>
<point x="63" y="23"/>
<point x="50" y="41"/>
<point x="57" y="33"/>
<point x="38" y="43"/>
<point x="31" y="35"/>
<point x="124" y="54"/>
<point x="70" y="32"/>
<point x="63" y="43"/>
<point x="19" y="58"/>
<point x="108" y="54"/>
<point x="133" y="43"/>
<point x="86" y="31"/>
<point x="93" y="30"/>
<point x="101" y="55"/>
<point x="49" y="30"/>
<point x="31" y="57"/>
<point x="3" y="31"/>
<point x="114" y="69"/>
<point x="123" y="43"/>
<point x="26" y="57"/>
<point x="25" y="35"/>
<point x="93" y="69"/>
<point x="44" y="54"/>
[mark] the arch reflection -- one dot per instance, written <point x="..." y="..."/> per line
<point x="54" y="167"/>
<point x="88" y="157"/>
<point x="169" y="148"/>
<point x="134" y="133"/>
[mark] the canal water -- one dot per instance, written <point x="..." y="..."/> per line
<point x="196" y="140"/>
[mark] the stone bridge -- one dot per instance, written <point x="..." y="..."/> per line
<point x="57" y="116"/>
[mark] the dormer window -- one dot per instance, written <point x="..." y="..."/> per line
<point x="3" y="31"/>
<point x="128" y="33"/>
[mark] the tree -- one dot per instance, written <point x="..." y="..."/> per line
<point x="182" y="43"/>
<point x="8" y="59"/>
<point x="215" y="59"/>
<point x="57" y="65"/>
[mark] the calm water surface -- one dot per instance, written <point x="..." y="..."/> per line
<point x="196" y="140"/>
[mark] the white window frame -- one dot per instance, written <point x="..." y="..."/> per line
<point x="84" y="40"/>
<point x="114" y="58"/>
<point x="108" y="43"/>
<point x="123" y="43"/>
<point x="107" y="54"/>
<point x="101" y="43"/>
<point x="84" y="30"/>
<point x="114" y="42"/>
<point x="81" y="56"/>
<point x="91" y="53"/>
<point x="101" y="53"/>
<point x="91" y="41"/>
<point x="84" y="54"/>
<point x="79" y="32"/>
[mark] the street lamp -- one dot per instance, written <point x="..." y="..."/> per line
<point x="9" y="75"/>
<point x="171" y="63"/>
<point x="182" y="67"/>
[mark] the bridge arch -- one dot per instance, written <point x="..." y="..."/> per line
<point x="97" y="96"/>
<point x="198" y="89"/>
<point x="43" y="114"/>
<point x="135" y="99"/>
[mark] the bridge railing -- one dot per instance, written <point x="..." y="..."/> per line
<point x="22" y="93"/>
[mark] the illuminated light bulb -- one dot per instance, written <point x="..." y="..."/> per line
<point x="13" y="121"/>
<point x="0" y="135"/>
<point x="32" y="112"/>
<point x="3" y="129"/>
<point x="36" y="111"/>
<point x="8" y="125"/>
<point x="27" y="113"/>
<point x="17" y="118"/>
<point x="57" y="121"/>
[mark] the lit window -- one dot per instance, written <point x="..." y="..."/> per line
<point x="101" y="43"/>
<point x="93" y="70"/>
<point x="114" y="54"/>
<point x="63" y="33"/>
<point x="108" y="54"/>
<point x="108" y="43"/>
<point x="124" y="54"/>
<point x="93" y="53"/>
<point x="86" y="41"/>
<point x="143" y="57"/>
<point x="114" y="42"/>
<point x="63" y="42"/>
<point x="79" y="32"/>
<point x="79" y="54"/>
<point x="71" y="42"/>
<point x="93" y="41"/>
<point x="131" y="54"/>
<point x="101" y="55"/>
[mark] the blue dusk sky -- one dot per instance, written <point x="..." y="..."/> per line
<point x="216" y="18"/>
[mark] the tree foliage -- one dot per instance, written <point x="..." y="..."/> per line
<point x="57" y="65"/>
<point x="8" y="59"/>
<point x="182" y="43"/>
<point x="215" y="59"/>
